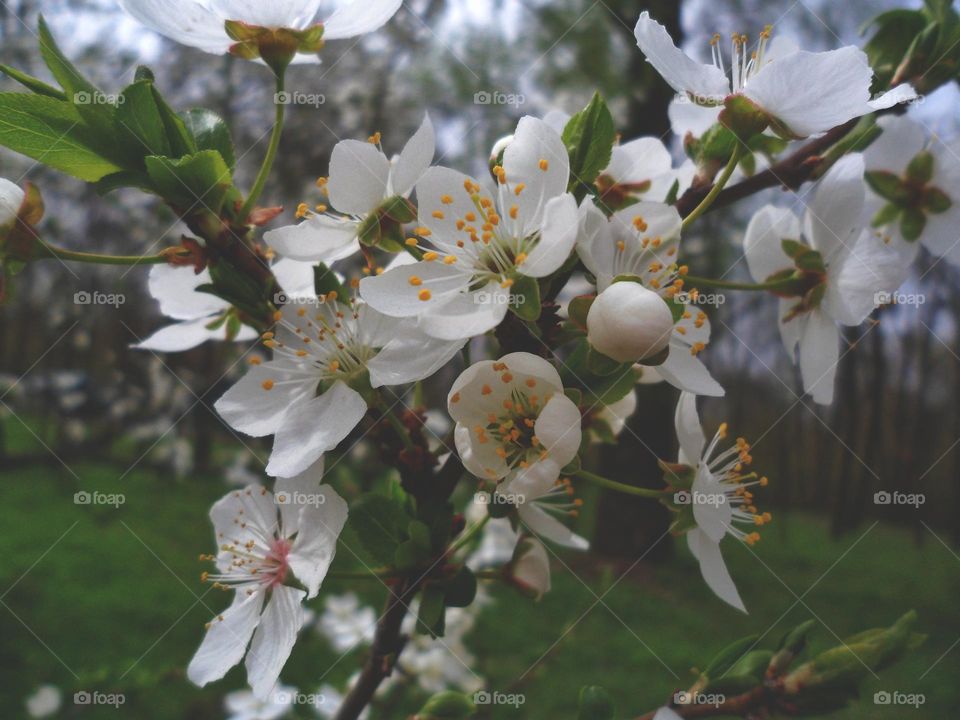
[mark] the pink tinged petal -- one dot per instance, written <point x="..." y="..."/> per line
<point x="763" y="241"/>
<point x="412" y="355"/>
<point x="321" y="523"/>
<point x="714" y="569"/>
<point x="638" y="160"/>
<point x="467" y="314"/>
<point x="872" y="268"/>
<point x="256" y="504"/>
<point x="226" y="640"/>
<point x="836" y="211"/>
<point x="682" y="73"/>
<point x="688" y="117"/>
<point x="253" y="409"/>
<point x="689" y="432"/>
<point x="537" y="160"/>
<point x="547" y="527"/>
<point x="274" y="639"/>
<point x="819" y="354"/>
<point x="313" y="426"/>
<point x="175" y="288"/>
<point x="900" y="94"/>
<point x="813" y="92"/>
<point x="902" y="140"/>
<point x="358" y="177"/>
<point x="531" y="567"/>
<point x="687" y="372"/>
<point x="410" y="290"/>
<point x="413" y="160"/>
<point x="359" y="17"/>
<point x="558" y="236"/>
<point x="321" y="238"/>
<point x="479" y="458"/>
<point x="558" y="429"/>
<point x="184" y="21"/>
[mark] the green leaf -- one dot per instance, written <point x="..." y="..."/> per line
<point x="31" y="83"/>
<point x="126" y="178"/>
<point x="210" y="132"/>
<point x="448" y="705"/>
<point x="181" y="141"/>
<point x="589" y="137"/>
<point x="578" y="309"/>
<point x="595" y="704"/>
<point x="461" y="589"/>
<point x="62" y="69"/>
<point x="725" y="659"/>
<point x="138" y="115"/>
<point x="525" y="298"/>
<point x="201" y="180"/>
<point x="380" y="524"/>
<point x="430" y="619"/>
<point x="52" y="132"/>
<point x="325" y="281"/>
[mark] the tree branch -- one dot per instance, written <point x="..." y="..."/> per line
<point x="791" y="172"/>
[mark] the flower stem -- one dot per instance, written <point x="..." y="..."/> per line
<point x="618" y="486"/>
<point x="468" y="535"/>
<point x="272" y="148"/>
<point x="372" y="574"/>
<point x="731" y="285"/>
<point x="98" y="259"/>
<point x="716" y="189"/>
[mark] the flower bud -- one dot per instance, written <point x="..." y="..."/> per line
<point x="11" y="198"/>
<point x="628" y="323"/>
<point x="530" y="569"/>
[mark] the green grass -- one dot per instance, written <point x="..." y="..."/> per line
<point x="108" y="599"/>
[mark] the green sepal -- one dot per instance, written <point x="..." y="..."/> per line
<point x="432" y="615"/>
<point x="461" y="589"/>
<point x="912" y="223"/>
<point x="920" y="168"/>
<point x="886" y="215"/>
<point x="325" y="281"/>
<point x="885" y="184"/>
<point x="525" y="298"/>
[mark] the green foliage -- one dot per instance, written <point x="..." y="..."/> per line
<point x="595" y="704"/>
<point x="380" y="524"/>
<point x="589" y="136"/>
<point x="525" y="298"/>
<point x="447" y="705"/>
<point x="210" y="132"/>
<point x="325" y="281"/>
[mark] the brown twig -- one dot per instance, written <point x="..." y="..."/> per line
<point x="791" y="172"/>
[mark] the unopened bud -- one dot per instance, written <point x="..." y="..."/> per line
<point x="628" y="323"/>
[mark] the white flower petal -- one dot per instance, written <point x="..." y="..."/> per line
<point x="558" y="235"/>
<point x="870" y="268"/>
<point x="358" y="177"/>
<point x="185" y="21"/>
<point x="762" y="243"/>
<point x="412" y="355"/>
<point x="274" y="639"/>
<point x="320" y="238"/>
<point x="294" y="277"/>
<point x="11" y="198"/>
<point x="181" y="336"/>
<point x="399" y="291"/>
<point x="413" y="160"/>
<point x="836" y="211"/>
<point x="523" y="162"/>
<point x="714" y="569"/>
<point x="900" y="94"/>
<point x="175" y="288"/>
<point x="467" y="314"/>
<point x="686" y="371"/>
<point x="524" y="363"/>
<point x="558" y="429"/>
<point x="292" y="494"/>
<point x="813" y="92"/>
<point x="819" y="354"/>
<point x="666" y="713"/>
<point x="902" y="140"/>
<point x="711" y="508"/>
<point x="226" y="640"/>
<point x="359" y="17"/>
<point x="689" y="432"/>
<point x="251" y="408"/>
<point x="316" y="544"/>
<point x="312" y="427"/>
<point x="544" y="525"/>
<point x="638" y="160"/>
<point x="682" y="73"/>
<point x="479" y="458"/>
<point x="687" y="117"/>
<point x="295" y="14"/>
<point x="531" y="567"/>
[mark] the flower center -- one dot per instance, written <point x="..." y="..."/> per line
<point x="744" y="63"/>
<point x="725" y="473"/>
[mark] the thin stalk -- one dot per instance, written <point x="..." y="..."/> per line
<point x="98" y="259"/>
<point x="618" y="486"/>
<point x="731" y="285"/>
<point x="715" y="190"/>
<point x="272" y="148"/>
